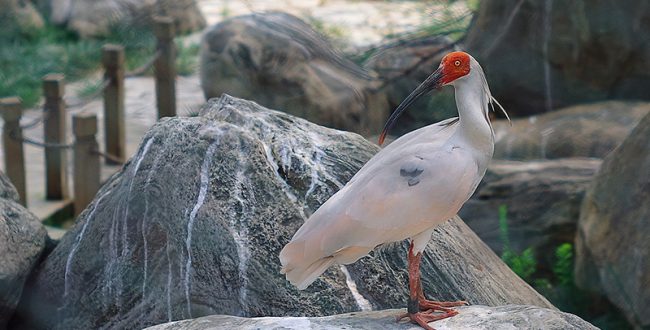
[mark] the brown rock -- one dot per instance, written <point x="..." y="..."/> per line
<point x="591" y="50"/>
<point x="279" y="61"/>
<point x="612" y="245"/>
<point x="19" y="16"/>
<point x="589" y="130"/>
<point x="22" y="240"/>
<point x="90" y="18"/>
<point x="543" y="201"/>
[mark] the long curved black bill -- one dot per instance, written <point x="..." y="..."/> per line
<point x="432" y="82"/>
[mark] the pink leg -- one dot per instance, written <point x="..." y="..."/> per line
<point x="420" y="310"/>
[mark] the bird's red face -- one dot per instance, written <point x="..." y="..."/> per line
<point x="453" y="66"/>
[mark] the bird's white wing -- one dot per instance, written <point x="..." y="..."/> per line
<point x="416" y="190"/>
<point x="439" y="131"/>
<point x="399" y="193"/>
<point x="411" y="192"/>
<point x="434" y="135"/>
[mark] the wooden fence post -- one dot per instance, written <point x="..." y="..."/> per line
<point x="56" y="178"/>
<point x="86" y="161"/>
<point x="13" y="146"/>
<point x="165" y="67"/>
<point x="114" y="132"/>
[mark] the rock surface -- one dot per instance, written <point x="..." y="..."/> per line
<point x="91" y="18"/>
<point x="402" y="66"/>
<point x="22" y="240"/>
<point x="19" y="16"/>
<point x="612" y="245"/>
<point x="543" y="55"/>
<point x="470" y="317"/>
<point x="543" y="201"/>
<point x="280" y="62"/>
<point x="588" y="130"/>
<point x="7" y="189"/>
<point x="194" y="223"/>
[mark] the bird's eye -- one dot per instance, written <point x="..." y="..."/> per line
<point x="457" y="63"/>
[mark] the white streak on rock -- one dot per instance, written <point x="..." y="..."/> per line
<point x="362" y="302"/>
<point x="145" y="245"/>
<point x="274" y="165"/>
<point x="75" y="247"/>
<point x="126" y="211"/>
<point x="239" y="229"/>
<point x="203" y="189"/>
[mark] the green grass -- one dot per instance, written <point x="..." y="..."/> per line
<point x="523" y="264"/>
<point x="187" y="58"/>
<point x="89" y="88"/>
<point x="26" y="56"/>
<point x="333" y="33"/>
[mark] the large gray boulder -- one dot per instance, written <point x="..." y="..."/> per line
<point x="612" y="245"/>
<point x="194" y="223"/>
<point x="470" y="317"/>
<point x="91" y="18"/>
<point x="543" y="201"/>
<point x="280" y="62"/>
<point x="22" y="240"/>
<point x="587" y="130"/>
<point x="543" y="55"/>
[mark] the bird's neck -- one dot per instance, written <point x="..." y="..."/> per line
<point x="472" y="102"/>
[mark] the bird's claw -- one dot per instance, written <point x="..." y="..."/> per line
<point x="425" y="317"/>
<point x="429" y="312"/>
<point x="440" y="305"/>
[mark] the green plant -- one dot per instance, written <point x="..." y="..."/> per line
<point x="225" y="11"/>
<point x="187" y="58"/>
<point x="90" y="87"/>
<point x="523" y="264"/>
<point x="563" y="267"/>
<point x="138" y="41"/>
<point x="333" y="33"/>
<point x="560" y="289"/>
<point x="26" y="57"/>
<point x="503" y="227"/>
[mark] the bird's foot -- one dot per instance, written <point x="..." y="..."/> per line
<point x="426" y="304"/>
<point x="425" y="317"/>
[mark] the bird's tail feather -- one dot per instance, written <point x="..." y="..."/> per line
<point x="303" y="277"/>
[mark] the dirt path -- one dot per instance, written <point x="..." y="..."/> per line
<point x="353" y="24"/>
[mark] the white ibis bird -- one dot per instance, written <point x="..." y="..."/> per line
<point x="408" y="188"/>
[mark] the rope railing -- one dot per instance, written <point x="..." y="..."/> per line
<point x="104" y="155"/>
<point x="35" y="122"/>
<point x="45" y="145"/>
<point x="36" y="143"/>
<point x="101" y="86"/>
